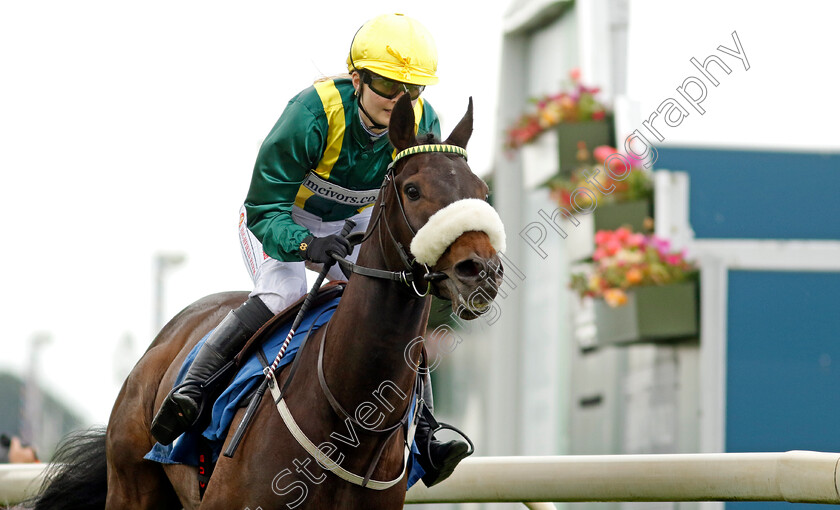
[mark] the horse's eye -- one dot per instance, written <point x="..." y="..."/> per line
<point x="412" y="192"/>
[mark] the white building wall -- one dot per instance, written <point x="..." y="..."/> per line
<point x="537" y="374"/>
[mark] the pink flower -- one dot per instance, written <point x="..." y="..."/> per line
<point x="602" y="236"/>
<point x="613" y="246"/>
<point x="622" y="234"/>
<point x="674" y="259"/>
<point x="599" y="254"/>
<point x="663" y="246"/>
<point x="636" y="240"/>
<point x="620" y="166"/>
<point x="574" y="74"/>
<point x="635" y="162"/>
<point x="602" y="152"/>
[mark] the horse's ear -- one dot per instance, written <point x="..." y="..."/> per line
<point x="462" y="132"/>
<point x="401" y="128"/>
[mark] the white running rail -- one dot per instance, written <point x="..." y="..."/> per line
<point x="19" y="481"/>
<point x="796" y="476"/>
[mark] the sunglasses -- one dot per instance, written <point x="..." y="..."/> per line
<point x="389" y="89"/>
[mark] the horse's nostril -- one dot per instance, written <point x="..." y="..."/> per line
<point x="468" y="269"/>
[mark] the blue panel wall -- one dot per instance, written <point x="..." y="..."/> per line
<point x="783" y="365"/>
<point x="759" y="195"/>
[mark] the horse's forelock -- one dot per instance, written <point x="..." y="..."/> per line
<point x="428" y="138"/>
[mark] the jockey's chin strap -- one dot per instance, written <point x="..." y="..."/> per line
<point x="405" y="276"/>
<point x="373" y="123"/>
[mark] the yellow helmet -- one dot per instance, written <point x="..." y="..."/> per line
<point x="396" y="47"/>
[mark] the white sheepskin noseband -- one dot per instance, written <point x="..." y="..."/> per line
<point x="446" y="225"/>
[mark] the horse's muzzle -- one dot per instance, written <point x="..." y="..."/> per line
<point x="474" y="274"/>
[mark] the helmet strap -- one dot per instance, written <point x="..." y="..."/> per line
<point x="373" y="123"/>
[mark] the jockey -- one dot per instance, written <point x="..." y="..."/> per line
<point x="322" y="163"/>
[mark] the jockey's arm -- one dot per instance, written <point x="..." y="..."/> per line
<point x="290" y="150"/>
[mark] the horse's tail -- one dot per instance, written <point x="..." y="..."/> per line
<point x="77" y="477"/>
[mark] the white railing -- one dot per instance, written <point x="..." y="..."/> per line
<point x="797" y="476"/>
<point x="19" y="481"/>
<point x="809" y="477"/>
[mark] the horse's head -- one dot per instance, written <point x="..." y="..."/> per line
<point x="451" y="231"/>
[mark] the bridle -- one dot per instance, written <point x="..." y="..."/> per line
<point x="411" y="266"/>
<point x="408" y="421"/>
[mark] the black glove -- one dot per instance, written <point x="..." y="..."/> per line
<point x="318" y="249"/>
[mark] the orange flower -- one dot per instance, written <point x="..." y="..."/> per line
<point x="634" y="276"/>
<point x="615" y="297"/>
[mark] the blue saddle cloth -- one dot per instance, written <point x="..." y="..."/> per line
<point x="185" y="449"/>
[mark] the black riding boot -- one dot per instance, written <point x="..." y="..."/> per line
<point x="181" y="408"/>
<point x="437" y="459"/>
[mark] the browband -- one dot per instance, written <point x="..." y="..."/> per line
<point x="429" y="147"/>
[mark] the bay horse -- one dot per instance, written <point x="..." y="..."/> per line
<point x="363" y="347"/>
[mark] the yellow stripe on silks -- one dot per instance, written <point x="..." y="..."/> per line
<point x="418" y="114"/>
<point x="303" y="195"/>
<point x="334" y="108"/>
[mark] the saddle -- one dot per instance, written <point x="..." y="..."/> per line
<point x="206" y="449"/>
<point x="224" y="377"/>
<point x="234" y="384"/>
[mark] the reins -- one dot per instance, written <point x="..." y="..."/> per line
<point x="406" y="423"/>
<point x="405" y="276"/>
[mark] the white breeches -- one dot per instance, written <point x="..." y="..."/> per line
<point x="279" y="284"/>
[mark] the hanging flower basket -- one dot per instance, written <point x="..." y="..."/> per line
<point x="651" y="313"/>
<point x="620" y="203"/>
<point x="574" y="112"/>
<point x="641" y="290"/>
<point x="571" y="135"/>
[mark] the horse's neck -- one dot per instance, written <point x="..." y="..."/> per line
<point x="370" y="331"/>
